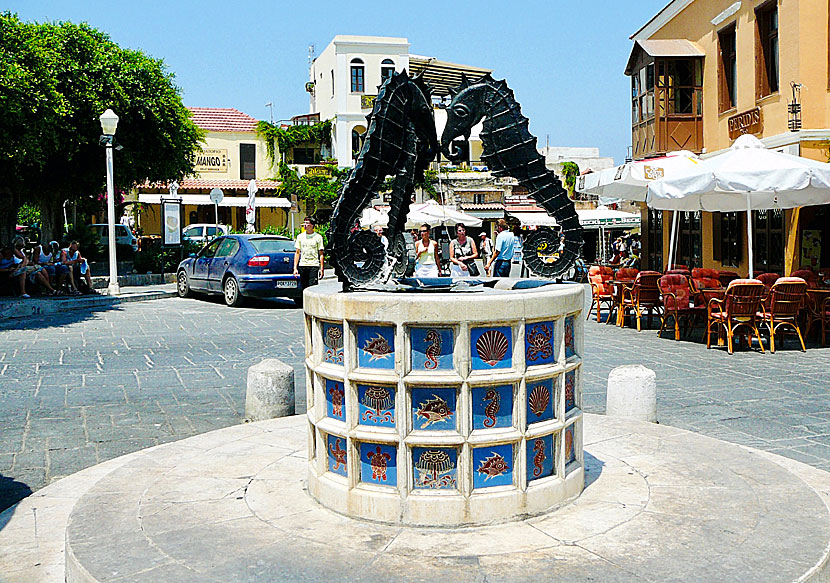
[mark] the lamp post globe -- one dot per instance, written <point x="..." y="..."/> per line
<point x="109" y="122"/>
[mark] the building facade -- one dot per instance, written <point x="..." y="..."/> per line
<point x="703" y="72"/>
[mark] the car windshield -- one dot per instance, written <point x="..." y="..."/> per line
<point x="272" y="245"/>
<point x="193" y="232"/>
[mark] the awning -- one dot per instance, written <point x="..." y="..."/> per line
<point x="605" y="217"/>
<point x="442" y="75"/>
<point x="204" y="200"/>
<point x="663" y="48"/>
<point x="534" y="219"/>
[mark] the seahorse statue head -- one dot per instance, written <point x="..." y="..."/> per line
<point x="467" y="108"/>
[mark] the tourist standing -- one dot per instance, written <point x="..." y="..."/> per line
<point x="463" y="254"/>
<point x="503" y="253"/>
<point x="426" y="254"/>
<point x="383" y="239"/>
<point x="486" y="250"/>
<point x="308" y="255"/>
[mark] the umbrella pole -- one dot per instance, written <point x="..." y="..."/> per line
<point x="672" y="240"/>
<point x="749" y="236"/>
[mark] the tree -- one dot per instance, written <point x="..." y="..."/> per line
<point x="570" y="171"/>
<point x="55" y="81"/>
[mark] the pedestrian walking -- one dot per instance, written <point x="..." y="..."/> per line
<point x="463" y="253"/>
<point x="309" y="255"/>
<point x="426" y="254"/>
<point x="485" y="250"/>
<point x="503" y="252"/>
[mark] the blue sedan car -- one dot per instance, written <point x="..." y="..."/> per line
<point x="237" y="266"/>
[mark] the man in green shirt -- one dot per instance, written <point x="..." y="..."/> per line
<point x="308" y="257"/>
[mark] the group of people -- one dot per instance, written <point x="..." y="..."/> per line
<point x="627" y="251"/>
<point x="47" y="266"/>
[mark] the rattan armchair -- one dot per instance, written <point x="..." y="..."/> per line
<point x="641" y="296"/>
<point x="780" y="309"/>
<point x="676" y="294"/>
<point x="602" y="292"/>
<point x="737" y="311"/>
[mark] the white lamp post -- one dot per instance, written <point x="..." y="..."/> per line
<point x="109" y="121"/>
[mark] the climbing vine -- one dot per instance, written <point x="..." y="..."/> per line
<point x="570" y="171"/>
<point x="283" y="139"/>
<point x="320" y="189"/>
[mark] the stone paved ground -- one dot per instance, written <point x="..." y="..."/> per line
<point x="78" y="389"/>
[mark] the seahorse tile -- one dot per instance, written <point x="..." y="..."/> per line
<point x="434" y="409"/>
<point x="378" y="464"/>
<point x="431" y="349"/>
<point x="540" y="343"/>
<point x="570" y="452"/>
<point x="493" y="466"/>
<point x="492" y="406"/>
<point x="491" y="348"/>
<point x="435" y="468"/>
<point x="337" y="454"/>
<point x="376" y="406"/>
<point x="376" y="347"/>
<point x="333" y="343"/>
<point x="570" y="337"/>
<point x="541" y="457"/>
<point x="335" y="400"/>
<point x="540" y="400"/>
<point x="570" y="390"/>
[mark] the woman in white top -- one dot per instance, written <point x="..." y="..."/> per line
<point x="426" y="255"/>
<point x="463" y="251"/>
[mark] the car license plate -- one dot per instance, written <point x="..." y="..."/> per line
<point x="286" y="283"/>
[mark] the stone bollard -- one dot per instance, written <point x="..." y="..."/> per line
<point x="632" y="393"/>
<point x="270" y="390"/>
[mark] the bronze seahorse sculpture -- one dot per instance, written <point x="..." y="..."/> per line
<point x="510" y="150"/>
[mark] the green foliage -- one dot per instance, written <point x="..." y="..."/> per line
<point x="314" y="190"/>
<point x="570" y="171"/>
<point x="56" y="79"/>
<point x="150" y="260"/>
<point x="28" y="214"/>
<point x="428" y="185"/>
<point x="286" y="138"/>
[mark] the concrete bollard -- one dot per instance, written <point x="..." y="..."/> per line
<point x="632" y="393"/>
<point x="270" y="390"/>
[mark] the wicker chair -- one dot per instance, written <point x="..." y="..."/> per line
<point x="601" y="291"/>
<point x="626" y="274"/>
<point x="818" y="312"/>
<point x="780" y="308"/>
<point x="676" y="294"/>
<point x="737" y="310"/>
<point x="641" y="296"/>
<point x="727" y="277"/>
<point x="808" y="275"/>
<point x="768" y="279"/>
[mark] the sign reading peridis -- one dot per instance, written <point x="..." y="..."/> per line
<point x="211" y="160"/>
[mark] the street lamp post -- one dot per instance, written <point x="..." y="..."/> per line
<point x="109" y="121"/>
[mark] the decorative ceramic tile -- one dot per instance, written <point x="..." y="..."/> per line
<point x="376" y="346"/>
<point x="570" y="452"/>
<point x="431" y="349"/>
<point x="333" y="342"/>
<point x="539" y="342"/>
<point x="492" y="407"/>
<point x="377" y="406"/>
<point x="493" y="466"/>
<point x="435" y="468"/>
<point x="335" y="400"/>
<point x="570" y="340"/>
<point x="337" y="455"/>
<point x="540" y="457"/>
<point x="570" y="394"/>
<point x="492" y="348"/>
<point x="378" y="464"/>
<point x="540" y="398"/>
<point x="433" y="409"/>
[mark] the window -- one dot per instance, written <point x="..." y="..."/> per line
<point x="654" y="239"/>
<point x="305" y="156"/>
<point x="680" y="78"/>
<point x="727" y="73"/>
<point x="727" y="241"/>
<point x="387" y="69"/>
<point x="689" y="239"/>
<point x="228" y="248"/>
<point x="642" y="94"/>
<point x="210" y="250"/>
<point x="357" y="143"/>
<point x="247" y="161"/>
<point x="332" y="82"/>
<point x="358" y="79"/>
<point x="766" y="49"/>
<point x="768" y="232"/>
<point x="272" y="245"/>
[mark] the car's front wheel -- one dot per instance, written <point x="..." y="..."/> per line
<point x="232" y="296"/>
<point x="183" y="285"/>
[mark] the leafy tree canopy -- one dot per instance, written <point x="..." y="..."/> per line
<point x="570" y="170"/>
<point x="279" y="139"/>
<point x="55" y="81"/>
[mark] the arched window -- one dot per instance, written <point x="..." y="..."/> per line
<point x="358" y="133"/>
<point x="358" y="76"/>
<point x="387" y="69"/>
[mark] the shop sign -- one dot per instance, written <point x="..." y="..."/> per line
<point x="318" y="171"/>
<point x="747" y="122"/>
<point x="211" y="160"/>
<point x="367" y="101"/>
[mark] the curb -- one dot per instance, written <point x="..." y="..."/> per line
<point x="10" y="309"/>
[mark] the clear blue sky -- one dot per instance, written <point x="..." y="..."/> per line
<point x="564" y="60"/>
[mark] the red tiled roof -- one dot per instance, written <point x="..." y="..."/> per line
<point x="201" y="184"/>
<point x="222" y="119"/>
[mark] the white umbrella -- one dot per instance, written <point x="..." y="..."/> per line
<point x="630" y="181"/>
<point x="745" y="177"/>
<point x="372" y="216"/>
<point x="432" y="213"/>
<point x="250" y="208"/>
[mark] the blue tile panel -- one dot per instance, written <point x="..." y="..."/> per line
<point x="435" y="468"/>
<point x="434" y="409"/>
<point x="335" y="400"/>
<point x="378" y="464"/>
<point x="539" y="343"/>
<point x="376" y="347"/>
<point x="376" y="406"/>
<point x="492" y="466"/>
<point x="570" y="339"/>
<point x="333" y="343"/>
<point x="570" y="452"/>
<point x="492" y="348"/>
<point x="337" y="454"/>
<point x="540" y="401"/>
<point x="570" y="390"/>
<point x="492" y="407"/>
<point x="431" y="349"/>
<point x="540" y="457"/>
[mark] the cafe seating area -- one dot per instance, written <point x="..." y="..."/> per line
<point x="734" y="312"/>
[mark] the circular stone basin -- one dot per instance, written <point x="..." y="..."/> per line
<point x="444" y="409"/>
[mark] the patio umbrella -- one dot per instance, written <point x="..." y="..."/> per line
<point x="433" y="213"/>
<point x="745" y="177"/>
<point x="372" y="216"/>
<point x="250" y="208"/>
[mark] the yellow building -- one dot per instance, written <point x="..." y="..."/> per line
<point x="232" y="155"/>
<point x="705" y="71"/>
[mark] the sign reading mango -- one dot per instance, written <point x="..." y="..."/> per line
<point x="211" y="160"/>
